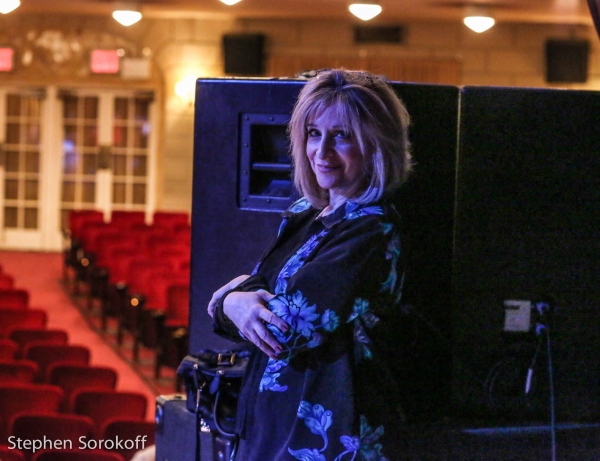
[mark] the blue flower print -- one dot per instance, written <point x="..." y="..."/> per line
<point x="306" y="454"/>
<point x="315" y="340"/>
<point x="361" y="343"/>
<point x="354" y="210"/>
<point x="393" y="253"/>
<point x="362" y="317"/>
<point x="268" y="381"/>
<point x="350" y="443"/>
<point x="296" y="312"/>
<point x="361" y="309"/>
<point x="365" y="444"/>
<point x="306" y="330"/>
<point x="297" y="261"/>
<point x="282" y="226"/>
<point x="370" y="450"/>
<point x="318" y="420"/>
<point x="330" y="320"/>
<point x="300" y="205"/>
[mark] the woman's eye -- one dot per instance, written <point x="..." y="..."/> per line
<point x="343" y="134"/>
<point x="312" y="133"/>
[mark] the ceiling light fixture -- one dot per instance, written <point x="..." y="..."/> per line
<point x="230" y="2"/>
<point x="478" y="19"/>
<point x="365" y="9"/>
<point x="126" y="14"/>
<point x="6" y="6"/>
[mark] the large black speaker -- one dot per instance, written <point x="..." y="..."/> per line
<point x="176" y="434"/>
<point x="528" y="195"/>
<point x="244" y="54"/>
<point x="242" y="183"/>
<point x="567" y="61"/>
<point x="175" y="429"/>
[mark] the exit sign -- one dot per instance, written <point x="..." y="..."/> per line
<point x="105" y="62"/>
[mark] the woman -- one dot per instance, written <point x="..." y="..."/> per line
<point x="320" y="384"/>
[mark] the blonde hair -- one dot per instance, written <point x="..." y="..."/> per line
<point x="372" y="113"/>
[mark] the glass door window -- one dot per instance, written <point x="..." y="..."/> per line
<point x="21" y="161"/>
<point x="80" y="153"/>
<point x="130" y="152"/>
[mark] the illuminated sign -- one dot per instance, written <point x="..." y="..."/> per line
<point x="105" y="62"/>
<point x="6" y="59"/>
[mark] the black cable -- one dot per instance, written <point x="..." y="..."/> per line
<point x="552" y="397"/>
<point x="198" y="425"/>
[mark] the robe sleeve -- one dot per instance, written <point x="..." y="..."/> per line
<point x="337" y="282"/>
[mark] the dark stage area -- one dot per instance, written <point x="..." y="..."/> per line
<point x="501" y="212"/>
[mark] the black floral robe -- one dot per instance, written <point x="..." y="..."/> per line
<point x="332" y="394"/>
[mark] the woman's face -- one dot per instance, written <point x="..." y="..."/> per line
<point x="334" y="156"/>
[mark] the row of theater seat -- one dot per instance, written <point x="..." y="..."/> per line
<point x="138" y="274"/>
<point x="50" y="392"/>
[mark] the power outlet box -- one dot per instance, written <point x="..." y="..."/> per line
<point x="517" y="315"/>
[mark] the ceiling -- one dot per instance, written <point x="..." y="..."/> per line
<point x="534" y="11"/>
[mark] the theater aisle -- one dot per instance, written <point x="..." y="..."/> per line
<point x="41" y="274"/>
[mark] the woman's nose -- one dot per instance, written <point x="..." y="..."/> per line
<point x="324" y="147"/>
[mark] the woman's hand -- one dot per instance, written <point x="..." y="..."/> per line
<point x="248" y="312"/>
<point x="221" y="291"/>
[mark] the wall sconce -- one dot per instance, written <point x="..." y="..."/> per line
<point x="186" y="89"/>
<point x="478" y="19"/>
<point x="230" y="2"/>
<point x="6" y="6"/>
<point x="365" y="9"/>
<point x="126" y="14"/>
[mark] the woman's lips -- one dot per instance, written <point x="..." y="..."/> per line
<point x="326" y="168"/>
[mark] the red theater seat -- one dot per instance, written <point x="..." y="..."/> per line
<point x="14" y="298"/>
<point x="103" y="405"/>
<point x="8" y="349"/>
<point x="18" y="371"/>
<point x="17" y="398"/>
<point x="45" y="354"/>
<point x="11" y="319"/>
<point x="25" y="336"/>
<point x="72" y="377"/>
<point x="77" y="455"/>
<point x="67" y="428"/>
<point x="170" y="219"/>
<point x="7" y="281"/>
<point x="7" y="453"/>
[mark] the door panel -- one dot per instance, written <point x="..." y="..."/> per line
<point x="63" y="150"/>
<point x="80" y="120"/>
<point x="20" y="164"/>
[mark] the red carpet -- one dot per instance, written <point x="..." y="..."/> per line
<point x="41" y="274"/>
